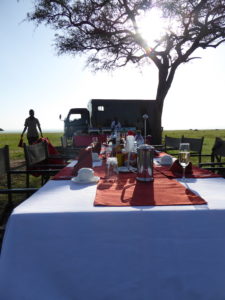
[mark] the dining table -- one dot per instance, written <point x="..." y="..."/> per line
<point x="58" y="245"/>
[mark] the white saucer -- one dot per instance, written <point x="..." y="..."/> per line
<point x="94" y="179"/>
<point x="126" y="169"/>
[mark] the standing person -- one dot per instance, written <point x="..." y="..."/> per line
<point x="115" y="125"/>
<point x="31" y="125"/>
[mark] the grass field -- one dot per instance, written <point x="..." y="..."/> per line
<point x="12" y="139"/>
<point x="17" y="155"/>
<point x="209" y="136"/>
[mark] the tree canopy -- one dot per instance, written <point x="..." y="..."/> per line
<point x="109" y="32"/>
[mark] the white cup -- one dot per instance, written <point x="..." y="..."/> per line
<point x="85" y="174"/>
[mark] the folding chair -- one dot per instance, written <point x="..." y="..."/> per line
<point x="172" y="143"/>
<point x="217" y="161"/>
<point x="37" y="162"/>
<point x="6" y="172"/>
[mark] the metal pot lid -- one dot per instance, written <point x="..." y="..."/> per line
<point x="145" y="147"/>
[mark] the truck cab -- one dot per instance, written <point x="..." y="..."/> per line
<point x="77" y="120"/>
<point x="97" y="118"/>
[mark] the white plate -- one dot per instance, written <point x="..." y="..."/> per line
<point x="126" y="170"/>
<point x="95" y="179"/>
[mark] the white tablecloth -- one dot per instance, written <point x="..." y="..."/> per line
<point x="58" y="246"/>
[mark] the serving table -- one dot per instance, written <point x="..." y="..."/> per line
<point x="59" y="246"/>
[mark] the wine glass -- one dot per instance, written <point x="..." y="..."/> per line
<point x="184" y="156"/>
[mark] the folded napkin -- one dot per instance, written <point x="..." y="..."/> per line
<point x="84" y="160"/>
<point x="97" y="148"/>
<point x="166" y="160"/>
<point x="177" y="168"/>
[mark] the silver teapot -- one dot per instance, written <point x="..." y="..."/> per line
<point x="145" y="154"/>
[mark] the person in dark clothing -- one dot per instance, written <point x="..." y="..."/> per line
<point x="32" y="125"/>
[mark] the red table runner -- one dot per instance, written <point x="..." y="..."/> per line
<point x="86" y="140"/>
<point x="64" y="174"/>
<point x="129" y="192"/>
<point x="196" y="172"/>
<point x="68" y="172"/>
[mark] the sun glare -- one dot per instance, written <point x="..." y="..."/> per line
<point x="152" y="26"/>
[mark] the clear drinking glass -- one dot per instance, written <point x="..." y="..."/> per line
<point x="112" y="169"/>
<point x="184" y="156"/>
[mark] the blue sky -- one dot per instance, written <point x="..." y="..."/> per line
<point x="33" y="76"/>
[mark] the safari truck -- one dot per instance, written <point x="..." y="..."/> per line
<point x="97" y="117"/>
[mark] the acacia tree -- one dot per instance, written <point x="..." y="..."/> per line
<point x="108" y="31"/>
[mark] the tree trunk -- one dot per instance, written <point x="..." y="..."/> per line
<point x="156" y="125"/>
<point x="164" y="84"/>
<point x="157" y="120"/>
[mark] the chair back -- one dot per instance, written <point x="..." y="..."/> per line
<point x="218" y="150"/>
<point x="4" y="160"/>
<point x="35" y="153"/>
<point x="172" y="143"/>
<point x="195" y="143"/>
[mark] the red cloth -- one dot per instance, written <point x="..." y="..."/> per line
<point x="52" y="151"/>
<point x="177" y="168"/>
<point x="129" y="192"/>
<point x="64" y="174"/>
<point x="84" y="160"/>
<point x="85" y="140"/>
<point x="44" y="165"/>
<point x="130" y="132"/>
<point x="51" y="148"/>
<point x="192" y="172"/>
<point x="67" y="173"/>
<point x="159" y="153"/>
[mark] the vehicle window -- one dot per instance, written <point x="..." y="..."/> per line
<point x="101" y="108"/>
<point x="74" y="117"/>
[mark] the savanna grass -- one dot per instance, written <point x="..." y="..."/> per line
<point x="209" y="138"/>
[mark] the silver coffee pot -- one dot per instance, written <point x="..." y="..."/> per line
<point x="145" y="154"/>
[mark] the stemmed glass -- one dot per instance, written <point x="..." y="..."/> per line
<point x="184" y="156"/>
